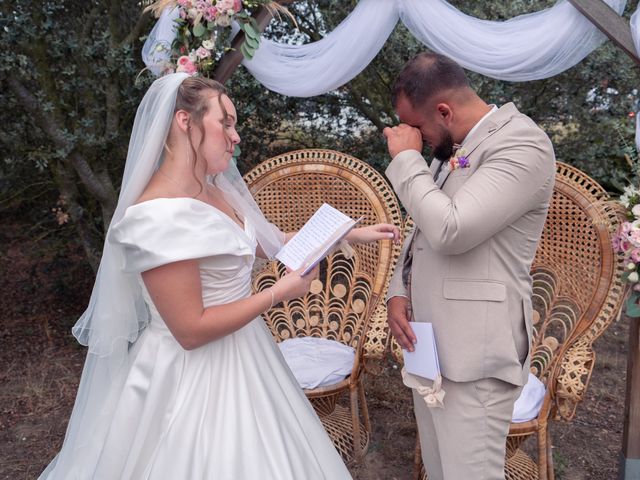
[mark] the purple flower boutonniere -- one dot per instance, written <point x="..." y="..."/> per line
<point x="459" y="160"/>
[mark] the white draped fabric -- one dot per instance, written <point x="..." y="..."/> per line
<point x="527" y="47"/>
<point x="319" y="67"/>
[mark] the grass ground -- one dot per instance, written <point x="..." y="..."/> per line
<point x="43" y="293"/>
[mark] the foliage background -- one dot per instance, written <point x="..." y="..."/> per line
<point x="69" y="76"/>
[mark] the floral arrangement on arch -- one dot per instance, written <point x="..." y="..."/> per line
<point x="626" y="240"/>
<point x="202" y="30"/>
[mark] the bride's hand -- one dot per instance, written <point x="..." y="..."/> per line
<point x="372" y="233"/>
<point x="293" y="285"/>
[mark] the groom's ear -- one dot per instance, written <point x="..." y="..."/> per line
<point x="445" y="112"/>
<point x="182" y="120"/>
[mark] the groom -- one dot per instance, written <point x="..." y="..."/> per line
<point x="479" y="210"/>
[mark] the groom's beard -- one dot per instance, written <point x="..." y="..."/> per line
<point x="443" y="151"/>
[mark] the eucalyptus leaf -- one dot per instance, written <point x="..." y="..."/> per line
<point x="251" y="32"/>
<point x="252" y="42"/>
<point x="247" y="51"/>
<point x="632" y="308"/>
<point x="254" y="23"/>
<point x="199" y="30"/>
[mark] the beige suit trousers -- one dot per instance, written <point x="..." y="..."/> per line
<point x="466" y="439"/>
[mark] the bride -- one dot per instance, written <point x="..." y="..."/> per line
<point x="182" y="378"/>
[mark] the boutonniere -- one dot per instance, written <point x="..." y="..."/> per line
<point x="459" y="160"/>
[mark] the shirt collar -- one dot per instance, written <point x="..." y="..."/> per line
<point x="494" y="108"/>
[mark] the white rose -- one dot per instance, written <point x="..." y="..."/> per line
<point x="633" y="277"/>
<point x="223" y="20"/>
<point x="208" y="44"/>
<point x="631" y="266"/>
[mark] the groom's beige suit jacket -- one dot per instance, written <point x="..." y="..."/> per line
<point x="475" y="239"/>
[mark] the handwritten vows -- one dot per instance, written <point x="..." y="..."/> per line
<point x="316" y="238"/>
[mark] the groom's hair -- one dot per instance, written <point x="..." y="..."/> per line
<point x="427" y="75"/>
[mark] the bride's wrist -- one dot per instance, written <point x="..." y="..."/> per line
<point x="353" y="236"/>
<point x="272" y="300"/>
<point x="275" y="296"/>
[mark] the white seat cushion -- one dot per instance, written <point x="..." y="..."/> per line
<point x="317" y="362"/>
<point x="529" y="402"/>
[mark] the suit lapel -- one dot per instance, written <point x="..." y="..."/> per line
<point x="444" y="173"/>
<point x="488" y="127"/>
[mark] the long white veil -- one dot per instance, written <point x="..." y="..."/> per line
<point x="117" y="313"/>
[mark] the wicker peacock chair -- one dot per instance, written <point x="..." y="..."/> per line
<point x="289" y="188"/>
<point x="577" y="292"/>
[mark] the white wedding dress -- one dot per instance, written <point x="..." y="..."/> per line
<point x="229" y="410"/>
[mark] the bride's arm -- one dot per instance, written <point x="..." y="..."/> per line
<point x="176" y="292"/>
<point x="372" y="233"/>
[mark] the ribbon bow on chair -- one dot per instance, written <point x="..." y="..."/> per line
<point x="433" y="396"/>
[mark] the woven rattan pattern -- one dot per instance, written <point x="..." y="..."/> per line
<point x="289" y="189"/>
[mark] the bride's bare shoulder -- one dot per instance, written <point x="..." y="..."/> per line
<point x="155" y="189"/>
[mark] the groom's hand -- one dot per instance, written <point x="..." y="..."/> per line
<point x="398" y="320"/>
<point x="401" y="138"/>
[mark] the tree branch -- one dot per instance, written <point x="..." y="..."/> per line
<point x="104" y="193"/>
<point x="90" y="21"/>
<point x="365" y="109"/>
<point x="136" y="32"/>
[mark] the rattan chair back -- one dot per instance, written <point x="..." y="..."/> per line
<point x="289" y="188"/>
<point x="578" y="288"/>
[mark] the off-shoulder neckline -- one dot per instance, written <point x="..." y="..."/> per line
<point x="204" y="204"/>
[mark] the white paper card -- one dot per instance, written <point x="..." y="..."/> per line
<point x="326" y="227"/>
<point x="423" y="361"/>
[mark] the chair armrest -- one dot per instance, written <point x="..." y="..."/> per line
<point x="572" y="377"/>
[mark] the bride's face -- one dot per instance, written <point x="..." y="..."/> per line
<point x="220" y="135"/>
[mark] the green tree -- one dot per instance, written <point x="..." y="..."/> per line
<point x="69" y="77"/>
<point x="68" y="72"/>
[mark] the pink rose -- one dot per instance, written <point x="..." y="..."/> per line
<point x="210" y="14"/>
<point x="237" y="5"/>
<point x="634" y="237"/>
<point x="615" y="242"/>
<point x="203" y="53"/>
<point x="186" y="65"/>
